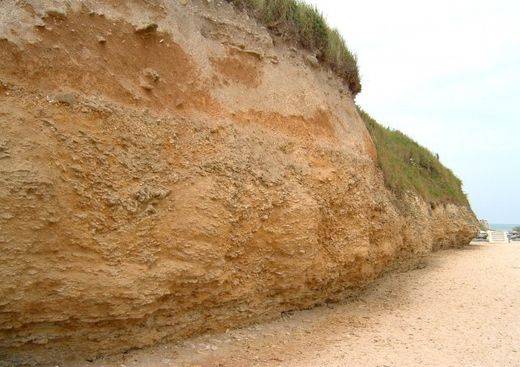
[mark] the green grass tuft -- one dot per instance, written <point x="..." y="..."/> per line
<point x="303" y="24"/>
<point x="407" y="166"/>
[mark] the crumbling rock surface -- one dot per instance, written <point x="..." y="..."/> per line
<point x="217" y="196"/>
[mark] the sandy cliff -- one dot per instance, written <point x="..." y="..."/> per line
<point x="167" y="169"/>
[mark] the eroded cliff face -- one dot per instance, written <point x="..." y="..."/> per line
<point x="167" y="169"/>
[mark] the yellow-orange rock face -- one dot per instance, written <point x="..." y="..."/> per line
<point x="161" y="183"/>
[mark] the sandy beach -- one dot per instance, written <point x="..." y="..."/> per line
<point x="462" y="309"/>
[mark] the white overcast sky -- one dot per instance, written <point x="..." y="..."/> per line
<point x="447" y="73"/>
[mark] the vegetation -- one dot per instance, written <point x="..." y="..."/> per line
<point x="516" y="229"/>
<point x="407" y="166"/>
<point x="304" y="25"/>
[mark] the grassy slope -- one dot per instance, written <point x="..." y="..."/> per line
<point x="303" y="24"/>
<point x="407" y="166"/>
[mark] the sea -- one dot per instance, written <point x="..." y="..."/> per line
<point x="503" y="227"/>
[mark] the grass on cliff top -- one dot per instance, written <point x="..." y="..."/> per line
<point x="303" y="24"/>
<point x="407" y="166"/>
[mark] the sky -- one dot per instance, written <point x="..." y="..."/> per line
<point x="446" y="73"/>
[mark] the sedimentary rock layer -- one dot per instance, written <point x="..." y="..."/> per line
<point x="168" y="170"/>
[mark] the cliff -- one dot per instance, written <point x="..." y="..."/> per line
<point x="169" y="169"/>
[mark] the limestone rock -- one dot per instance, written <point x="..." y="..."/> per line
<point x="146" y="86"/>
<point x="68" y="98"/>
<point x="56" y="13"/>
<point x="147" y="28"/>
<point x="311" y="60"/>
<point x="151" y="74"/>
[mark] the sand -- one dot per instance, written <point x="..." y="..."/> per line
<point x="462" y="309"/>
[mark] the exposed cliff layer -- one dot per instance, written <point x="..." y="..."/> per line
<point x="168" y="170"/>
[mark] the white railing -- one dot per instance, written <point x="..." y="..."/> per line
<point x="497" y="236"/>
